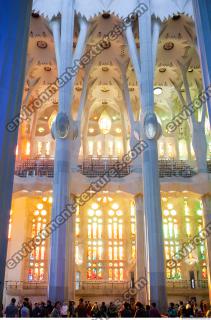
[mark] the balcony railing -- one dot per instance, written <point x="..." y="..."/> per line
<point x="106" y="285"/>
<point x="97" y="167"/>
<point x="175" y="168"/>
<point x="35" y="167"/>
<point x="187" y="284"/>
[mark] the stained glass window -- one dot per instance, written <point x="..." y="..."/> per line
<point x="38" y="257"/>
<point x="105" y="221"/>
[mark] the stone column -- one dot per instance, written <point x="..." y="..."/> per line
<point x="142" y="295"/>
<point x="206" y="200"/>
<point x="202" y="13"/>
<point x="58" y="286"/>
<point x="59" y="263"/>
<point x="151" y="184"/>
<point x="14" y="28"/>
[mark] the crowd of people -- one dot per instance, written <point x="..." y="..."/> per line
<point x="86" y="309"/>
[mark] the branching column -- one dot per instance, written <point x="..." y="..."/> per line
<point x="207" y="219"/>
<point x="144" y="63"/>
<point x="61" y="262"/>
<point x="14" y="27"/>
<point x="152" y="205"/>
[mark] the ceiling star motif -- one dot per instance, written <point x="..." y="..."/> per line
<point x="91" y="8"/>
<point x="105" y="85"/>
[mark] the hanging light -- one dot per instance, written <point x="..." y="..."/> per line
<point x="104" y="123"/>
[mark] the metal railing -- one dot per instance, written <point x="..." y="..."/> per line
<point x="35" y="167"/>
<point x="97" y="167"/>
<point x="175" y="168"/>
<point x="25" y="284"/>
<point x="103" y="285"/>
<point x="187" y="284"/>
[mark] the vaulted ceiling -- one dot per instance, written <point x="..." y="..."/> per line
<point x="105" y="91"/>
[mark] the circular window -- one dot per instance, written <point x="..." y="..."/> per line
<point x="168" y="46"/>
<point x="42" y="44"/>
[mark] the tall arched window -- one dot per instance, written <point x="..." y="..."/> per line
<point x="106" y="242"/>
<point x="171" y="235"/>
<point x="38" y="259"/>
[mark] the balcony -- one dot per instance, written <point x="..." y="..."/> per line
<point x="97" y="288"/>
<point x="34" y="167"/>
<point x="175" y="168"/>
<point x="97" y="167"/>
<point x="187" y="284"/>
<point x="21" y="288"/>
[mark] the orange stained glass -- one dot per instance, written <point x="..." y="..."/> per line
<point x="110" y="253"/>
<point x="121" y="274"/>
<point x="120" y="253"/>
<point x="120" y="230"/>
<point x="100" y="230"/>
<point x="115" y="230"/>
<point x="110" y="231"/>
<point x="116" y="274"/>
<point x="110" y="274"/>
<point x="100" y="253"/>
<point x="89" y="231"/>
<point x="42" y="255"/>
<point x="115" y="253"/>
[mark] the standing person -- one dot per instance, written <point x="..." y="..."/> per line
<point x="181" y="313"/>
<point x="56" y="313"/>
<point x="172" y="312"/>
<point x="43" y="310"/>
<point x="71" y="309"/>
<point x="103" y="310"/>
<point x="125" y="312"/>
<point x="112" y="310"/>
<point x="49" y="308"/>
<point x="189" y="310"/>
<point x="81" y="310"/>
<point x="140" y="311"/>
<point x="95" y="310"/>
<point x="89" y="309"/>
<point x="36" y="311"/>
<point x="11" y="310"/>
<point x="64" y="310"/>
<point x="154" y="313"/>
<point x="28" y="305"/>
<point x="25" y="312"/>
<point x="147" y="310"/>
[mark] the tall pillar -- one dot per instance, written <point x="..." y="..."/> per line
<point x="141" y="269"/>
<point x="151" y="184"/>
<point x="202" y="13"/>
<point x="63" y="29"/>
<point x="58" y="286"/>
<point x="14" y="25"/>
<point x="206" y="200"/>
